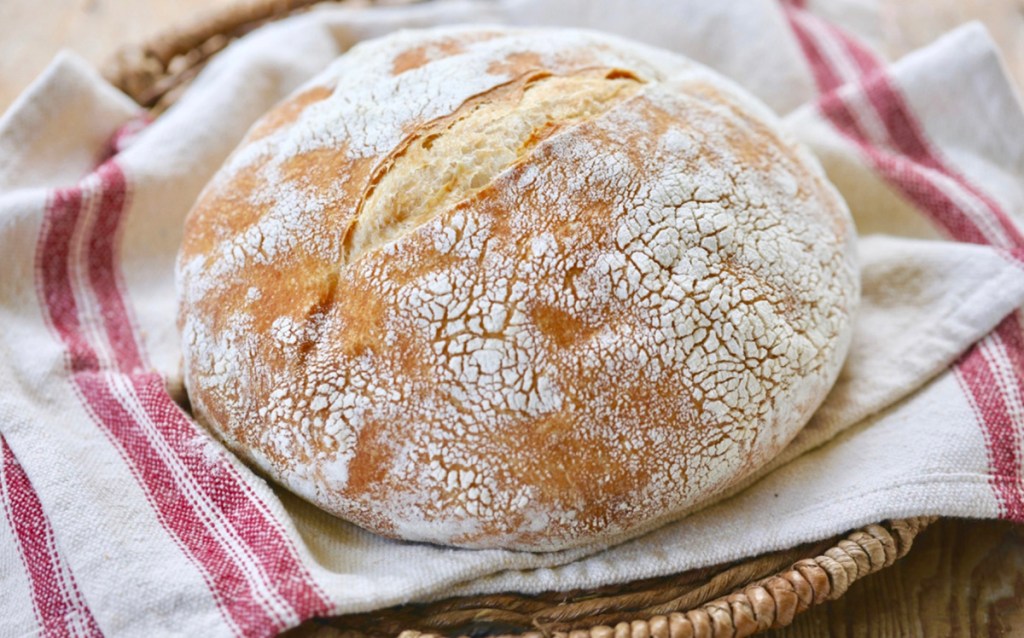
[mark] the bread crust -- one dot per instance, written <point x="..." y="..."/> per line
<point x="529" y="289"/>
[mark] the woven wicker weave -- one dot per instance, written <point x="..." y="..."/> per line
<point x="725" y="601"/>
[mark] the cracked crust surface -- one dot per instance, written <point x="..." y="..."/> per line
<point x="530" y="289"/>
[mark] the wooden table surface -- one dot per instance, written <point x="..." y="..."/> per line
<point x="962" y="578"/>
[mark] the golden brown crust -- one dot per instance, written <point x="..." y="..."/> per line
<point x="523" y="289"/>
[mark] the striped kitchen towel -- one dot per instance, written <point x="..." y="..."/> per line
<point x="122" y="516"/>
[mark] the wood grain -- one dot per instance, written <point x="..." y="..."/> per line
<point x="32" y="31"/>
<point x="963" y="578"/>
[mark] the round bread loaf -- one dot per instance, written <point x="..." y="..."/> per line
<point x="530" y="289"/>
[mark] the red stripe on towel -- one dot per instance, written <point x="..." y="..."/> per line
<point x="101" y="259"/>
<point x="261" y="537"/>
<point x="59" y="607"/>
<point x="203" y="502"/>
<point x="961" y="209"/>
<point x="988" y="399"/>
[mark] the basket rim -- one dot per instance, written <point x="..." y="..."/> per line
<point x="746" y="597"/>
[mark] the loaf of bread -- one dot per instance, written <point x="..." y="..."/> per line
<point x="528" y="289"/>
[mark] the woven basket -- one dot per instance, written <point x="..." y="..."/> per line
<point x="725" y="601"/>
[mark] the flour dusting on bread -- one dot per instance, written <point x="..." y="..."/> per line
<point x="531" y="289"/>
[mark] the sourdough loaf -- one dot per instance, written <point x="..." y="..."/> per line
<point x="529" y="289"/>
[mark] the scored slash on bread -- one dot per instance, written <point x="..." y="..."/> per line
<point x="530" y="289"/>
